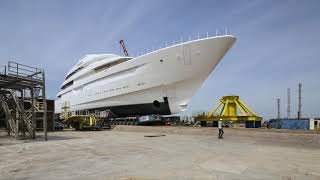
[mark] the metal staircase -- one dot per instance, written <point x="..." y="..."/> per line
<point x="20" y="107"/>
<point x="5" y="107"/>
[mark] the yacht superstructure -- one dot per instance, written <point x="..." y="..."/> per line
<point x="160" y="82"/>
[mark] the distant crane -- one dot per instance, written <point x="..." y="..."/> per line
<point x="124" y="48"/>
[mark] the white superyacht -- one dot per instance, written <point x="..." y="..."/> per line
<point x="160" y="82"/>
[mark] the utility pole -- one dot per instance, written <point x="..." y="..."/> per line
<point x="299" y="102"/>
<point x="278" y="102"/>
<point x="288" y="110"/>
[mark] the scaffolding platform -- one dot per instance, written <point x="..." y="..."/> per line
<point x="22" y="95"/>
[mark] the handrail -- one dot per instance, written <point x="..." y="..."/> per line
<point x="21" y="70"/>
<point x="191" y="38"/>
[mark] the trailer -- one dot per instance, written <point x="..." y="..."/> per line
<point x="83" y="120"/>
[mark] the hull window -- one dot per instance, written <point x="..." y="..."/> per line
<point x="73" y="72"/>
<point x="67" y="85"/>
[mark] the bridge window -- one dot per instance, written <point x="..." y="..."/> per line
<point x="73" y="72"/>
<point x="67" y="85"/>
<point x="109" y="65"/>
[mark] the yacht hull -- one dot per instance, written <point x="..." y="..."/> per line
<point x="160" y="82"/>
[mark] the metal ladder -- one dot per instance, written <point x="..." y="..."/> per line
<point x="28" y="122"/>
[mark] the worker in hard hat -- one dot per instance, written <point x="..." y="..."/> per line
<point x="220" y="127"/>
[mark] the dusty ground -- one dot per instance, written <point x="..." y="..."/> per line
<point x="184" y="153"/>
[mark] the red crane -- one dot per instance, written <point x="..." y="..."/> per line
<point x="124" y="48"/>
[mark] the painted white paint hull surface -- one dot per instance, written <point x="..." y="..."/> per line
<point x="175" y="72"/>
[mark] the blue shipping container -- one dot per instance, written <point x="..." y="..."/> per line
<point x="290" y="123"/>
<point x="295" y="124"/>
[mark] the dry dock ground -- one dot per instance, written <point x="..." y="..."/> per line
<point x="184" y="153"/>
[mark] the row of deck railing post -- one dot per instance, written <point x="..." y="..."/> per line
<point x="181" y="41"/>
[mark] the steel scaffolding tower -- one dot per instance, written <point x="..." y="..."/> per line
<point x="22" y="95"/>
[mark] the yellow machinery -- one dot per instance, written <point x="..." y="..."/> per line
<point x="81" y="122"/>
<point x="79" y="119"/>
<point x="233" y="109"/>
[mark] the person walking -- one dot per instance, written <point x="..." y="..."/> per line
<point x="220" y="127"/>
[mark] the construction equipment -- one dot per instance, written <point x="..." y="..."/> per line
<point x="124" y="48"/>
<point x="19" y="100"/>
<point x="234" y="110"/>
<point x="83" y="120"/>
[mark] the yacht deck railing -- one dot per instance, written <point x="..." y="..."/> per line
<point x="181" y="41"/>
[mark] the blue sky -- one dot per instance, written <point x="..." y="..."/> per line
<point x="277" y="46"/>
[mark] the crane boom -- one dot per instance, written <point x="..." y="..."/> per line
<point x="124" y="48"/>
